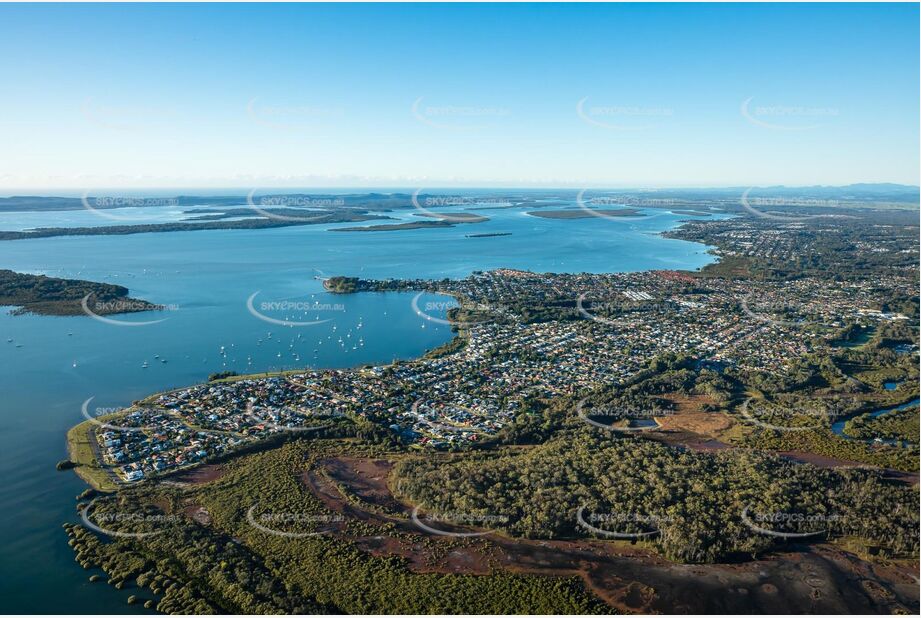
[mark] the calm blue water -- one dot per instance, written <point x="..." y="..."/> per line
<point x="838" y="426"/>
<point x="18" y="221"/>
<point x="206" y="279"/>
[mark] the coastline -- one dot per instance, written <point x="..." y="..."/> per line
<point x="82" y="449"/>
<point x="58" y="296"/>
<point x="100" y="479"/>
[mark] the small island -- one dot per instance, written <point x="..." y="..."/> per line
<point x="695" y="213"/>
<point x="460" y="217"/>
<point x="585" y="214"/>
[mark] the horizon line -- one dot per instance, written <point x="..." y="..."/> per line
<point x="84" y="192"/>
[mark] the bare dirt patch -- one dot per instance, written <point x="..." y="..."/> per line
<point x="198" y="514"/>
<point x="702" y="423"/>
<point x="366" y="479"/>
<point x="199" y="475"/>
<point x="690" y="416"/>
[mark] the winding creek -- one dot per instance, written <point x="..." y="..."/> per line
<point x="838" y="426"/>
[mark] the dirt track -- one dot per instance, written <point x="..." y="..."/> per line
<point x="820" y="579"/>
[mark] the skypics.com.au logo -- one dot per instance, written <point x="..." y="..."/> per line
<point x="292" y="117"/>
<point x="124" y="524"/>
<point x="805" y="416"/>
<point x="436" y="523"/>
<point x="293" y="208"/>
<point x="456" y="117"/>
<point x="289" y="418"/>
<point x="595" y="207"/>
<point x="429" y="311"/>
<point x="628" y="420"/>
<point x="620" y="525"/>
<point x="768" y="524"/>
<point x="280" y="523"/>
<point x="137" y="416"/>
<point x="622" y="117"/>
<point x="425" y="204"/>
<point x="96" y="309"/>
<point x="767" y="310"/>
<point x="288" y="310"/>
<point x="785" y="117"/>
<point x="128" y="209"/>
<point x="639" y="304"/>
<point x="761" y="207"/>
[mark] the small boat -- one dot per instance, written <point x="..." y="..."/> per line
<point x="75" y="363"/>
<point x="145" y="365"/>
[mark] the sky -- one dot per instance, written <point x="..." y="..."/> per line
<point x="500" y="95"/>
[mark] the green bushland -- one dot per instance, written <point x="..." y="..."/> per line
<point x="230" y="566"/>
<point x="43" y="295"/>
<point x="695" y="499"/>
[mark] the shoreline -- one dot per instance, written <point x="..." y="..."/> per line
<point x="104" y="480"/>
<point x="351" y="285"/>
<point x="90" y="479"/>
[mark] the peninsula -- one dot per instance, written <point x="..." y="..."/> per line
<point x="43" y="295"/>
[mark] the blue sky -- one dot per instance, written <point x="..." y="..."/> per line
<point x="457" y="95"/>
